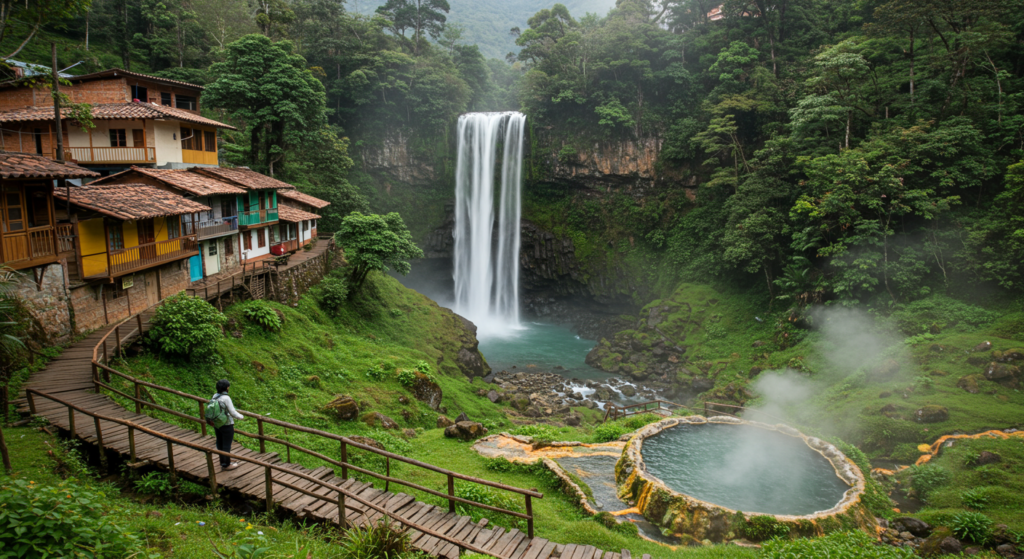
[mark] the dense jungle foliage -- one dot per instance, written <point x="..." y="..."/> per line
<point x="859" y="151"/>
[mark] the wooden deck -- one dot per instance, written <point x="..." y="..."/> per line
<point x="69" y="394"/>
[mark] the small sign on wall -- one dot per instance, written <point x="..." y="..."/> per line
<point x="127" y="282"/>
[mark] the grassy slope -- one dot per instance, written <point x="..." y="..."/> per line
<point x="392" y="325"/>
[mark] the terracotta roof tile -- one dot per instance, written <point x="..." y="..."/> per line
<point x="131" y="201"/>
<point x="303" y="198"/>
<point x="114" y="111"/>
<point x="192" y="183"/>
<point x="244" y="177"/>
<point x="292" y="215"/>
<point x="117" y="72"/>
<point x="29" y="166"/>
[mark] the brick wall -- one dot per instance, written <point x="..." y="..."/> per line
<point x="114" y="90"/>
<point x="46" y="303"/>
<point x="94" y="307"/>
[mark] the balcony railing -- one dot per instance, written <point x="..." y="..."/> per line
<point x="112" y="155"/>
<point x="65" y="237"/>
<point x="217" y="227"/>
<point x="33" y="247"/>
<point x="257" y="217"/>
<point x="128" y="260"/>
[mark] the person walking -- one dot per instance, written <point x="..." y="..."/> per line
<point x="226" y="431"/>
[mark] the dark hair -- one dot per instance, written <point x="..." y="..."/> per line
<point x="222" y="385"/>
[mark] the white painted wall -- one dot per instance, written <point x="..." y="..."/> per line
<point x="256" y="250"/>
<point x="167" y="142"/>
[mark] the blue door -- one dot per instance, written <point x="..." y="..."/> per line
<point x="195" y="266"/>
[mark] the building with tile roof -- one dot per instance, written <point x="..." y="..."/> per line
<point x="140" y="120"/>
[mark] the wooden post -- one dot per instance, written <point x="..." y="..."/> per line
<point x="131" y="443"/>
<point x="170" y="463"/>
<point x="99" y="442"/>
<point x="32" y="403"/>
<point x="138" y="317"/>
<point x="106" y="355"/>
<point x="202" y="417"/>
<point x="342" y="521"/>
<point x="451" y="492"/>
<point x="117" y="337"/>
<point x="529" y="512"/>
<point x="269" y="481"/>
<point x="344" y="460"/>
<point x="138" y="397"/>
<point x="210" y="470"/>
<point x="71" y="420"/>
<point x="3" y="452"/>
<point x="387" y="472"/>
<point x="259" y="427"/>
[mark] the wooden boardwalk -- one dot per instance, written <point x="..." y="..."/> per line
<point x="68" y="392"/>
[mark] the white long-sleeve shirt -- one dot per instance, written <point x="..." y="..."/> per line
<point x="230" y="407"/>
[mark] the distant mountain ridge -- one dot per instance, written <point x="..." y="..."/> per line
<point x="488" y="21"/>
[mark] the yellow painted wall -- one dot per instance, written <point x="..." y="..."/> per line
<point x="131" y="234"/>
<point x="94" y="247"/>
<point x="200" y="156"/>
<point x="160" y="228"/>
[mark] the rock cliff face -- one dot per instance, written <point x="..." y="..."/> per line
<point x="394" y="164"/>
<point x="614" y="164"/>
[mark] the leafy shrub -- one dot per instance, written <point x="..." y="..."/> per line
<point x="975" y="498"/>
<point x="406" y="378"/>
<point x="927" y="478"/>
<point x="972" y="526"/>
<point x="915" y="317"/>
<point x="377" y="373"/>
<point x="63" y="520"/>
<point x="538" y="432"/>
<point x="762" y="528"/>
<point x="382" y="540"/>
<point x="423" y="367"/>
<point x="612" y="430"/>
<point x="155" y="483"/>
<point x="924" y="381"/>
<point x="905" y="452"/>
<point x="186" y="325"/>
<point x="491" y="497"/>
<point x="332" y="294"/>
<point x="848" y="545"/>
<point x="263" y="314"/>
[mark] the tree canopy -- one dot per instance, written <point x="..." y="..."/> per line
<point x="376" y="243"/>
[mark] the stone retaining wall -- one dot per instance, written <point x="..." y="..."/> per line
<point x="292" y="283"/>
<point x="693" y="520"/>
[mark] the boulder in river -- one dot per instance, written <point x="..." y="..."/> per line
<point x="628" y="390"/>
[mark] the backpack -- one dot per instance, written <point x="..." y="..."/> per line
<point x="216" y="413"/>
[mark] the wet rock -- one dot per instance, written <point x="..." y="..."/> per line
<point x="489" y="378"/>
<point x="890" y="410"/>
<point x="462" y="417"/>
<point x="987" y="457"/>
<point x="932" y="545"/>
<point x="443" y="421"/>
<point x="950" y="546"/>
<point x="465" y="430"/>
<point x="931" y="414"/>
<point x="343" y="407"/>
<point x="972" y="551"/>
<point x="916" y="527"/>
<point x="377" y="419"/>
<point x="1001" y="371"/>
<point x="700" y="385"/>
<point x="603" y="393"/>
<point x="411" y="433"/>
<point x="403" y="400"/>
<point x="969" y="383"/>
<point x="427" y="391"/>
<point x="494" y="396"/>
<point x="754" y="371"/>
<point x="1007" y="550"/>
<point x="1016" y="354"/>
<point x="471" y="363"/>
<point x="367" y="441"/>
<point x="628" y="390"/>
<point x="573" y="421"/>
<point x="589" y="404"/>
<point x="520" y="402"/>
<point x="407" y="416"/>
<point x="983" y="346"/>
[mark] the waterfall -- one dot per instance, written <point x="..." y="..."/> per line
<point x="487" y="257"/>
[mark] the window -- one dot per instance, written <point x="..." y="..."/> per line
<point x="173" y="227"/>
<point x="165" y="99"/>
<point x="261" y="238"/>
<point x="14" y="216"/>
<point x="138" y="139"/>
<point x="275" y="235"/>
<point x="212" y="248"/>
<point x="227" y="207"/>
<point x="115" y="236"/>
<point x="146" y="233"/>
<point x="118" y="138"/>
<point x="210" y="141"/>
<point x="38" y="208"/>
<point x="247" y="239"/>
<point x="305" y="226"/>
<point x="263" y="200"/>
<point x="140" y="93"/>
<point x="39" y="141"/>
<point x="229" y="246"/>
<point x="186" y="102"/>
<point x="188" y="139"/>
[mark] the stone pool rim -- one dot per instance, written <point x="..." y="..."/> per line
<point x="636" y="483"/>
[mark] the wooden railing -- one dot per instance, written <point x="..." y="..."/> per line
<point x="65" y="237"/>
<point x="32" y="247"/>
<point x="256" y="217"/>
<point x="146" y="255"/>
<point x="112" y="154"/>
<point x="216" y="227"/>
<point x="269" y="469"/>
<point x="615" y="411"/>
<point x="229" y="283"/>
<point x="101" y="379"/>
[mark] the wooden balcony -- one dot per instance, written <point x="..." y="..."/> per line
<point x="111" y="155"/>
<point x="257" y="218"/>
<point x="217" y="227"/>
<point x="25" y="249"/>
<point x="141" y="257"/>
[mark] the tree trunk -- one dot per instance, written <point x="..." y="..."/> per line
<point x="849" y="117"/>
<point x="87" y="12"/>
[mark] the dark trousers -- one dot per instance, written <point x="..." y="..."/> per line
<point x="225" y="435"/>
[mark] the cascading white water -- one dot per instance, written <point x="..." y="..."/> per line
<point x="487" y="258"/>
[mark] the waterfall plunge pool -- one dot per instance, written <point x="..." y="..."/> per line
<point x="744" y="468"/>
<point x="540" y="346"/>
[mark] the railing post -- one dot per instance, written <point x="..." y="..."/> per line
<point x="387" y="472"/>
<point x="451" y="492"/>
<point x="342" y="521"/>
<point x="344" y="460"/>
<point x="202" y="417"/>
<point x="138" y="319"/>
<point x="138" y="396"/>
<point x="106" y="356"/>
<point x="170" y="463"/>
<point x="71" y="420"/>
<point x="259" y="427"/>
<point x="705" y="409"/>
<point x="269" y="481"/>
<point x="529" y="513"/>
<point x="32" y="404"/>
<point x="210" y="470"/>
<point x="117" y="337"/>
<point x="99" y="442"/>
<point x="131" y="443"/>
